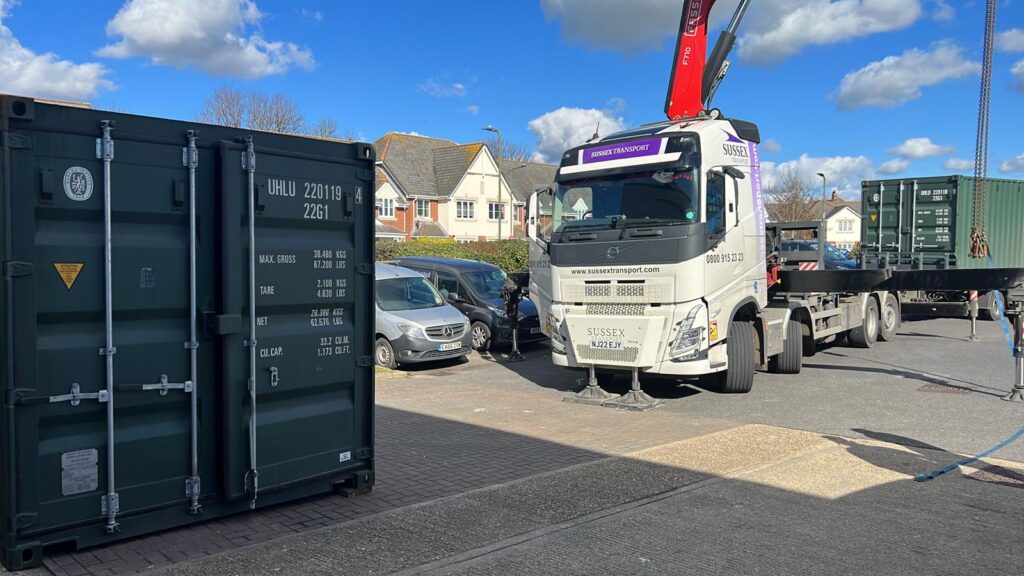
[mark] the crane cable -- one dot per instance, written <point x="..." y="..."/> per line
<point x="979" y="244"/>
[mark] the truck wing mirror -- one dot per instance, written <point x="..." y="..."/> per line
<point x="734" y="172"/>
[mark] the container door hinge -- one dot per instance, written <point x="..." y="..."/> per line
<point x="364" y="361"/>
<point x="364" y="268"/>
<point x="108" y="501"/>
<point x="192" y="487"/>
<point x="14" y="269"/>
<point x="15" y="140"/>
<point x="19" y="521"/>
<point x="364" y="453"/>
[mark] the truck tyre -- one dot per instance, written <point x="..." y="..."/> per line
<point x="991" y="311"/>
<point x="384" y="354"/>
<point x="865" y="335"/>
<point x="791" y="359"/>
<point x="739" y="377"/>
<point x="889" y="319"/>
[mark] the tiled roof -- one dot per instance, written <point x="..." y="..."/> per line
<point x="410" y="160"/>
<point x="525" y="177"/>
<point x="382" y="229"/>
<point x="451" y="164"/>
<point x="429" y="229"/>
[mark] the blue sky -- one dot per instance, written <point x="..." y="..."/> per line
<point x="849" y="87"/>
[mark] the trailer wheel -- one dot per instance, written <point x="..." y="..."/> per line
<point x="889" y="319"/>
<point x="865" y="335"/>
<point x="990" y="312"/>
<point x="739" y="377"/>
<point x="791" y="359"/>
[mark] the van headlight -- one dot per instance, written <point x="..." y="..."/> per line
<point x="412" y="331"/>
<point x="499" y="311"/>
<point x="688" y="339"/>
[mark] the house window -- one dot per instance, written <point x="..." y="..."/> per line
<point x="423" y="209"/>
<point x="846" y="225"/>
<point x="387" y="207"/>
<point x="495" y="211"/>
<point x="465" y="210"/>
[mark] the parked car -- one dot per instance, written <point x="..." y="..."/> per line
<point x="835" y="259"/>
<point x="475" y="289"/>
<point x="414" y="323"/>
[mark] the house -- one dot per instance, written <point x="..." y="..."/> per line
<point x="843" y="221"/>
<point x="436" y="188"/>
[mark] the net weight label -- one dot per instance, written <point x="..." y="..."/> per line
<point x="79" y="472"/>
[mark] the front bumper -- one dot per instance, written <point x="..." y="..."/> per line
<point x="414" y="350"/>
<point x="529" y="331"/>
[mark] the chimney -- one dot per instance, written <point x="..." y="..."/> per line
<point x="835" y="195"/>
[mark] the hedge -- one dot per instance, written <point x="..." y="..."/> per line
<point x="509" y="255"/>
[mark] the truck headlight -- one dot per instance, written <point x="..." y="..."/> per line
<point x="557" y="342"/>
<point x="412" y="331"/>
<point x="688" y="339"/>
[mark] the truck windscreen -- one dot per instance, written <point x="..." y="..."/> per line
<point x="665" y="197"/>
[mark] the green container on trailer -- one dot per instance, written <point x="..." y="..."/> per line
<point x="926" y="222"/>
<point x="98" y="376"/>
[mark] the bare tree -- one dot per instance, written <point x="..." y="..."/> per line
<point x="326" y="127"/>
<point x="789" y="196"/>
<point x="511" y="151"/>
<point x="226" y="106"/>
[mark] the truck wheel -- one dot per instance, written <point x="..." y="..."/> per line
<point x="990" y="312"/>
<point x="384" y="354"/>
<point x="889" y="319"/>
<point x="791" y="359"/>
<point x="739" y="378"/>
<point x="865" y="335"/>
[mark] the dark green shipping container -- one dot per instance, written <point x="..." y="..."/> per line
<point x="926" y="222"/>
<point x="210" y="374"/>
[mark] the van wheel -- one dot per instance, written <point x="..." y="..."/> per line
<point x="865" y="335"/>
<point x="889" y="319"/>
<point x="384" y="354"/>
<point x="481" y="336"/>
<point x="739" y="377"/>
<point x="791" y="359"/>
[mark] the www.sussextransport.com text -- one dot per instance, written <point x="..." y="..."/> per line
<point x="627" y="270"/>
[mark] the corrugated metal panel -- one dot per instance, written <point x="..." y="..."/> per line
<point x="926" y="222"/>
<point x="313" y="322"/>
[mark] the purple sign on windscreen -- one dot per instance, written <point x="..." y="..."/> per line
<point x="633" y="149"/>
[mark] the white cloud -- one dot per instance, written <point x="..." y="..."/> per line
<point x="943" y="12"/>
<point x="561" y="129"/>
<point x="916" y="148"/>
<point x="24" y="72"/>
<point x="772" y="31"/>
<point x="313" y="14"/>
<point x="617" y="105"/>
<point x="784" y="27"/>
<point x="1013" y="164"/>
<point x="896" y="80"/>
<point x="958" y="164"/>
<point x="473" y="109"/>
<point x="894" y="166"/>
<point x="842" y="172"/>
<point x="439" y="87"/>
<point x="211" y="35"/>
<point x="770" y="146"/>
<point x="1018" y="72"/>
<point x="1011" y="40"/>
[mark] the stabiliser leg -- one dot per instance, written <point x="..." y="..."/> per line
<point x="592" y="394"/>
<point x="1017" y="394"/>
<point x="635" y="399"/>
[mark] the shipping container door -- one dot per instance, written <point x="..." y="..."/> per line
<point x="883" y="214"/>
<point x="61" y="419"/>
<point x="294" y="396"/>
<point x="932" y="203"/>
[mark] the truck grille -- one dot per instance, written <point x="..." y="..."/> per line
<point x="615" y="309"/>
<point x="618" y="292"/>
<point x="437" y="332"/>
<point x="586" y="353"/>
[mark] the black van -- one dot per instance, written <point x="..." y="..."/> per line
<point x="475" y="289"/>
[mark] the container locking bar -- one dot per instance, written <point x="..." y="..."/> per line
<point x="163" y="386"/>
<point x="249" y="164"/>
<point x="190" y="159"/>
<point x="105" y="152"/>
<point x="76" y="396"/>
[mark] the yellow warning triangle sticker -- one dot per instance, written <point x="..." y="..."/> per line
<point x="874" y="217"/>
<point x="68" y="272"/>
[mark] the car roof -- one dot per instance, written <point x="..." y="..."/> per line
<point x="447" y="262"/>
<point x="384" y="271"/>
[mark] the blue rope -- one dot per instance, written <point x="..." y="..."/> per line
<point x="971" y="460"/>
<point x="1020" y="433"/>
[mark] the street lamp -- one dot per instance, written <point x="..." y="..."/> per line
<point x="824" y="206"/>
<point x="490" y="128"/>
